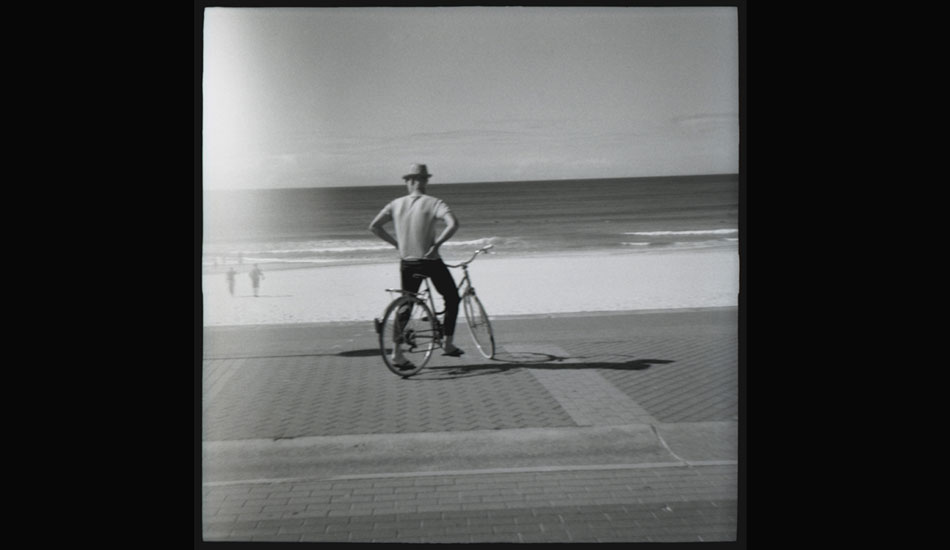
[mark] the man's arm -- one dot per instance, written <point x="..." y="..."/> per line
<point x="451" y="226"/>
<point x="376" y="226"/>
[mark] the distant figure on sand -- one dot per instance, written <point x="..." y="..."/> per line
<point x="231" y="274"/>
<point x="256" y="276"/>
<point x="413" y="218"/>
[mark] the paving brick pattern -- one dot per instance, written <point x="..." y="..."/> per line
<point x="687" y="373"/>
<point x="289" y="382"/>
<point x="649" y="504"/>
<point x="590" y="399"/>
<point x="699" y="383"/>
<point x="215" y="376"/>
<point x="298" y="396"/>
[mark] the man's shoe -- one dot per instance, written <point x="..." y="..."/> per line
<point x="457" y="352"/>
<point x="405" y="365"/>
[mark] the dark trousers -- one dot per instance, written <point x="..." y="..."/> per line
<point x="441" y="279"/>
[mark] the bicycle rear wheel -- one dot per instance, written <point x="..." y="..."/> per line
<point x="479" y="325"/>
<point x="408" y="323"/>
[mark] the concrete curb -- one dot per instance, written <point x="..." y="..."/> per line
<point x="324" y="457"/>
<point x="419" y="453"/>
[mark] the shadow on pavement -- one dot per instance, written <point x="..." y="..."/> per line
<point x="506" y="361"/>
<point x="359" y="353"/>
<point x="448" y="373"/>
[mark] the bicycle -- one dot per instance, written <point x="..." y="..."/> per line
<point x="411" y="320"/>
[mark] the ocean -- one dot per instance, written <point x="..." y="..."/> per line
<point x="312" y="227"/>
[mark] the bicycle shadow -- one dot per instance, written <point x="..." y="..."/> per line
<point x="507" y="361"/>
<point x="504" y="362"/>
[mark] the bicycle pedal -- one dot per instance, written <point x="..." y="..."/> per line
<point x="377" y="326"/>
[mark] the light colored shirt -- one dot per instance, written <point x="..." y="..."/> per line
<point x="414" y="218"/>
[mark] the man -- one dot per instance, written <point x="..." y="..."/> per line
<point x="256" y="276"/>
<point x="231" y="274"/>
<point x="414" y="219"/>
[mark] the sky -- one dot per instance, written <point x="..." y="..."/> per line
<point x="312" y="97"/>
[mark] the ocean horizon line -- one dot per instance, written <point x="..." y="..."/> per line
<point x="680" y="178"/>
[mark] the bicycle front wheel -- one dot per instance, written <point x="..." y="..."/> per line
<point x="409" y="324"/>
<point x="479" y="325"/>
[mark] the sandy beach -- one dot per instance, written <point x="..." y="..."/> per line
<point x="551" y="284"/>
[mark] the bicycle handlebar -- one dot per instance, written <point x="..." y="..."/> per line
<point x="483" y="250"/>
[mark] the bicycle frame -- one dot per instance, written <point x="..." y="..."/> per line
<point x="426" y="295"/>
<point x="465" y="286"/>
<point x="466" y="279"/>
<point x="427" y="331"/>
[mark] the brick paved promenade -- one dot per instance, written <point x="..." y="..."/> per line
<point x="596" y="428"/>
